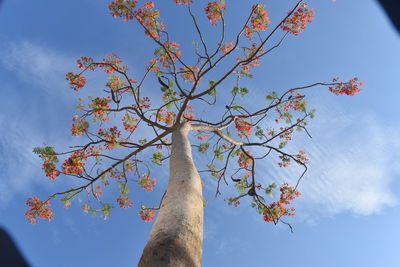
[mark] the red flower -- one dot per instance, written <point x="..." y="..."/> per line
<point x="147" y="183"/>
<point x="350" y="88"/>
<point x="227" y="47"/>
<point x="147" y="214"/>
<point x="214" y="12"/>
<point x="123" y="9"/>
<point x="243" y="127"/>
<point x="124" y="202"/>
<point x="278" y="209"/>
<point x="183" y="2"/>
<point x="298" y="21"/>
<point x="38" y="210"/>
<point x="259" y="21"/>
<point x="76" y="81"/>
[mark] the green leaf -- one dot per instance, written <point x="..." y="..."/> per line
<point x="235" y="91"/>
<point x="272" y="95"/>
<point x="269" y="192"/>
<point x="143" y="141"/>
<point x="46" y="152"/>
<point x="288" y="117"/>
<point x="243" y="91"/>
<point x="203" y="147"/>
<point x="123" y="189"/>
<point x="213" y="93"/>
<point x="283" y="144"/>
<point x="236" y="107"/>
<point x="157" y="158"/>
<point x="312" y="113"/>
<point x="259" y="132"/>
<point x="219" y="154"/>
<point x="235" y="153"/>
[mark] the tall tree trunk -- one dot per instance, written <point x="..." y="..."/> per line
<point x="177" y="234"/>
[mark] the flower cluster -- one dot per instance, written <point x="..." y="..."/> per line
<point x="146" y="214"/>
<point x="189" y="74"/>
<point x="76" y="81"/>
<point x="129" y="122"/>
<point x="189" y="115"/>
<point x="117" y="175"/>
<point x="129" y="166"/>
<point x="233" y="201"/>
<point x="302" y="157"/>
<point x="252" y="60"/>
<point x="147" y="183"/>
<point x="243" y="127"/>
<point x="350" y="88"/>
<point x="86" y="63"/>
<point x="245" y="161"/>
<point x="111" y="136"/>
<point x="148" y="17"/>
<point x="168" y="117"/>
<point x="80" y="127"/>
<point x="168" y="54"/>
<point x="49" y="157"/>
<point x="100" y="107"/>
<point x="97" y="192"/>
<point x="74" y="165"/>
<point x="112" y="63"/>
<point x="278" y="209"/>
<point x="295" y="103"/>
<point x="123" y="9"/>
<point x="183" y="2"/>
<point x="153" y="67"/>
<point x="227" y="47"/>
<point x="285" y="161"/>
<point x="115" y="83"/>
<point x="124" y="202"/>
<point x="38" y="209"/>
<point x="203" y="138"/>
<point x="144" y="103"/>
<point x="49" y="168"/>
<point x="169" y="95"/>
<point x="259" y="21"/>
<point x="298" y="21"/>
<point x="214" y="11"/>
<point x="286" y="134"/>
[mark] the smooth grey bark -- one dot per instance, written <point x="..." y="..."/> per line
<point x="177" y="234"/>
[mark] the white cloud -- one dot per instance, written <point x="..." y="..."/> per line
<point x="18" y="163"/>
<point x="23" y="124"/>
<point x="36" y="64"/>
<point x="352" y="165"/>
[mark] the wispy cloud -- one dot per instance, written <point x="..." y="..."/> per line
<point x="352" y="164"/>
<point x="27" y="118"/>
<point x="36" y="64"/>
<point x="18" y="163"/>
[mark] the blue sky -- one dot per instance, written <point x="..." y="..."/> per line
<point x="349" y="209"/>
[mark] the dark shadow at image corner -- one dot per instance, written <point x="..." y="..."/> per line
<point x="10" y="256"/>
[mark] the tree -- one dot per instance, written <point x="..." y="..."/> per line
<point x="237" y="140"/>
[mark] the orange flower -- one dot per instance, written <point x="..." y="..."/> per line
<point x="38" y="210"/>
<point x="214" y="11"/>
<point x="298" y="21"/>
